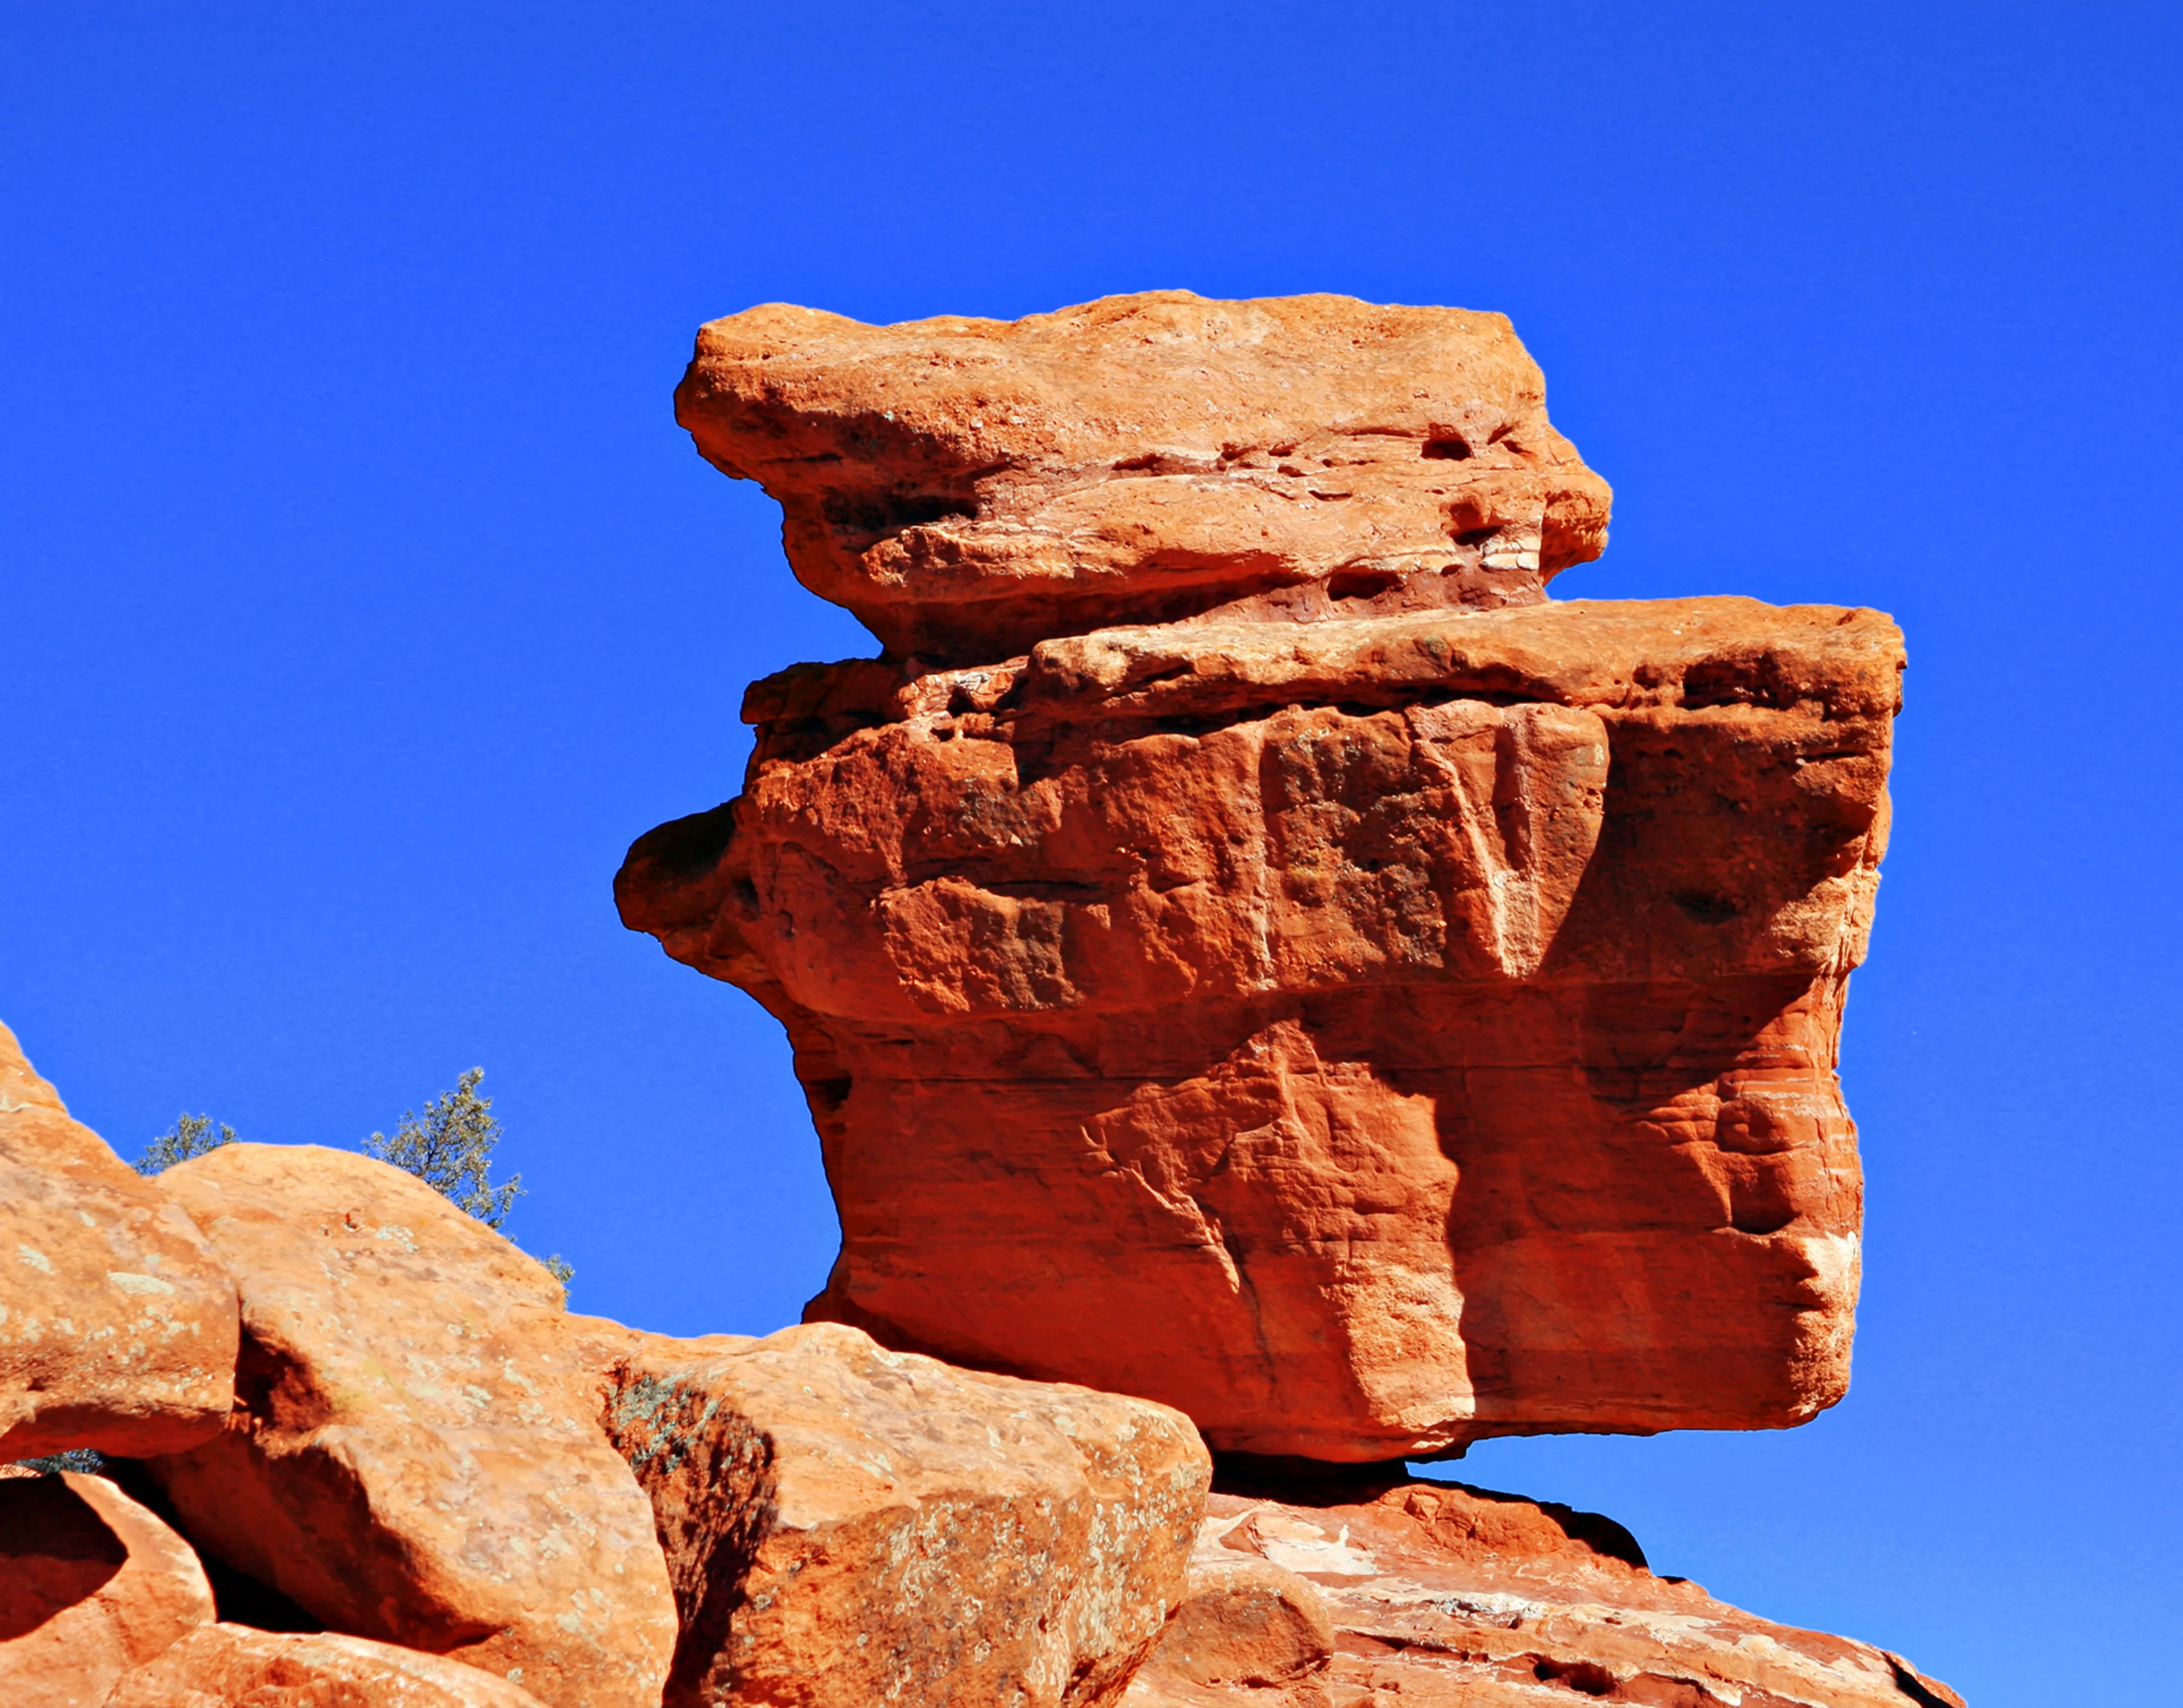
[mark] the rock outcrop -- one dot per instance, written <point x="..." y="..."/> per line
<point x="1366" y="1036"/>
<point x="235" y="1666"/>
<point x="117" y="1326"/>
<point x="415" y="1455"/>
<point x="1443" y="1596"/>
<point x="971" y="487"/>
<point x="846" y="1525"/>
<point x="92" y="1587"/>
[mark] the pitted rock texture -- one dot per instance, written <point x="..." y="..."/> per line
<point x="970" y="487"/>
<point x="1365" y="1036"/>
<point x="1442" y="1596"/>
<point x="847" y="1525"/>
<point x="415" y="1455"/>
<point x="234" y="1667"/>
<point x="117" y="1323"/>
<point x="92" y="1586"/>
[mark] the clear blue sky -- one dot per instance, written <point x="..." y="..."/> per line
<point x="361" y="602"/>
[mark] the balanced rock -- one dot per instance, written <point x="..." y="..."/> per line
<point x="968" y="487"/>
<point x="235" y="1666"/>
<point x="416" y="1456"/>
<point x="1441" y="1596"/>
<point x="92" y="1587"/>
<point x="117" y="1324"/>
<point x="847" y="1525"/>
<point x="1365" y="1036"/>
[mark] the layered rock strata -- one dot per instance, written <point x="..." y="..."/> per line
<point x="117" y="1324"/>
<point x="1437" y="1595"/>
<point x="846" y="1525"/>
<point x="1364" y="1035"/>
<point x="415" y="1455"/>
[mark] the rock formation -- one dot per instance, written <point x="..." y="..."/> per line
<point x="1247" y="951"/>
<point x="117" y="1326"/>
<point x="969" y="488"/>
<point x="92" y="1587"/>
<point x="235" y="1666"/>
<point x="1437" y="1595"/>
<point x="846" y="1526"/>
<point x="415" y="1455"/>
<point x="1378" y="1010"/>
<point x="1247" y="1631"/>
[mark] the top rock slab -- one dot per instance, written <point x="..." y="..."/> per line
<point x="970" y="487"/>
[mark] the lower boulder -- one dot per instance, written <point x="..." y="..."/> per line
<point x="1247" y="1631"/>
<point x="235" y="1666"/>
<point x="1443" y="1596"/>
<point x="415" y="1455"/>
<point x="847" y="1525"/>
<point x="92" y="1586"/>
<point x="117" y="1325"/>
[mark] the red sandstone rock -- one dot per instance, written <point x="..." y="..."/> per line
<point x="117" y="1325"/>
<point x="1364" y="1036"/>
<point x="848" y="1526"/>
<point x="415" y="1455"/>
<point x="1446" y="1597"/>
<point x="92" y="1586"/>
<point x="1247" y="1631"/>
<point x="968" y="487"/>
<point x="234" y="1667"/>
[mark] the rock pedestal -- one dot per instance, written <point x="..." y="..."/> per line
<point x="1437" y="1595"/>
<point x="1377" y="1009"/>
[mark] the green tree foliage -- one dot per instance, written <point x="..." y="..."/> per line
<point x="450" y="1148"/>
<point x="191" y="1135"/>
<point x="85" y="1459"/>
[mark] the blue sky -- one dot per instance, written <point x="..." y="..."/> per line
<point x="362" y="602"/>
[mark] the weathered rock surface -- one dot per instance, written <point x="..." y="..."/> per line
<point x="234" y="1667"/>
<point x="1247" y="1631"/>
<point x="117" y="1325"/>
<point x="415" y="1455"/>
<point x="92" y="1586"/>
<point x="970" y="487"/>
<point x="848" y="1526"/>
<point x="1365" y="1036"/>
<point x="1441" y="1596"/>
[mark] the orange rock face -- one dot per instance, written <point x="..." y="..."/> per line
<point x="117" y="1324"/>
<point x="1365" y="1036"/>
<point x="970" y="487"/>
<point x="1440" y="1596"/>
<point x="1247" y="1631"/>
<point x="234" y="1667"/>
<point x="847" y="1525"/>
<point x="415" y="1455"/>
<point x="92" y="1586"/>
